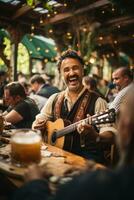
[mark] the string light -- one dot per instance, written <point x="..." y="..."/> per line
<point x="45" y="60"/>
<point x="92" y="60"/>
<point x="32" y="27"/>
<point x="65" y="4"/>
<point x="119" y="26"/>
<point x="55" y="12"/>
<point x="32" y="34"/>
<point x="41" y="21"/>
<point x="46" y="50"/>
<point x="70" y="37"/>
<point x="115" y="42"/>
<point x="113" y="9"/>
<point x="48" y="15"/>
<point x="100" y="38"/>
<point x="50" y="31"/>
<point x="38" y="48"/>
<point x="84" y="29"/>
<point x="68" y="34"/>
<point x="55" y="48"/>
<point x="103" y="11"/>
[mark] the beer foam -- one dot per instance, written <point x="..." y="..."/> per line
<point x="29" y="137"/>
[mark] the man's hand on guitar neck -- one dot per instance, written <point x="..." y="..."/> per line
<point x="84" y="128"/>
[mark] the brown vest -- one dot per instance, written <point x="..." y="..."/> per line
<point x="83" y="106"/>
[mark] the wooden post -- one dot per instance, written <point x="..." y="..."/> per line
<point x="14" y="60"/>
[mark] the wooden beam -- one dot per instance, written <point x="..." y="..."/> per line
<point x="23" y="10"/>
<point x="110" y="40"/>
<point x="60" y="17"/>
<point x="120" y="21"/>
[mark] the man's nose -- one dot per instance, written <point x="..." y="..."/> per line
<point x="71" y="71"/>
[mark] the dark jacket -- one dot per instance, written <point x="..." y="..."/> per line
<point x="47" y="90"/>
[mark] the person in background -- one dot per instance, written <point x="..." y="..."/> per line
<point x="3" y="82"/>
<point x="123" y="79"/>
<point x="102" y="86"/>
<point x="22" y="110"/>
<point x="41" y="88"/>
<point x="91" y="84"/>
<point x="116" y="184"/>
<point x="73" y="104"/>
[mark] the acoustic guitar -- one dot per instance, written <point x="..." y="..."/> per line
<point x="56" y="131"/>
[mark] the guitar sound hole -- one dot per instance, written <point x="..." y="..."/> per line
<point x="53" y="138"/>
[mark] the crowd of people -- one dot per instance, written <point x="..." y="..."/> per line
<point x="42" y="103"/>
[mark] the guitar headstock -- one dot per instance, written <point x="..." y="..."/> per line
<point x="103" y="118"/>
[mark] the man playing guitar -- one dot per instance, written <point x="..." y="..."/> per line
<point x="73" y="105"/>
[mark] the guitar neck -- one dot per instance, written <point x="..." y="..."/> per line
<point x="106" y="117"/>
<point x="71" y="128"/>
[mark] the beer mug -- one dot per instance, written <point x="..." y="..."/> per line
<point x="25" y="147"/>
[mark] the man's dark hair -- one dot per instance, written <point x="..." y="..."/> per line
<point x="69" y="54"/>
<point x="126" y="72"/>
<point x="15" y="88"/>
<point x="37" y="78"/>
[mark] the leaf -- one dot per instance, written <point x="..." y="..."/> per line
<point x="30" y="2"/>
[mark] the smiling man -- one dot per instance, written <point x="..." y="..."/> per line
<point x="74" y="104"/>
<point x="123" y="79"/>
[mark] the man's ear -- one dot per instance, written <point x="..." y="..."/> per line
<point x="18" y="98"/>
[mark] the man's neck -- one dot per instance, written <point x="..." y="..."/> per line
<point x="74" y="94"/>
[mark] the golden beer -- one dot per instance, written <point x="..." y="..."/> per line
<point x="25" y="147"/>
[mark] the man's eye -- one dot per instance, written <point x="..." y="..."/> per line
<point x="66" y="70"/>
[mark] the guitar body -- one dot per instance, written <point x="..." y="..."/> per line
<point x="60" y="137"/>
<point x="51" y="128"/>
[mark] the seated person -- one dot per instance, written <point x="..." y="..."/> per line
<point x="22" y="110"/>
<point x="102" y="184"/>
<point x="40" y="87"/>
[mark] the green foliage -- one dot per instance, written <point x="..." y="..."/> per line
<point x="7" y="52"/>
<point x="23" y="59"/>
<point x="30" y="2"/>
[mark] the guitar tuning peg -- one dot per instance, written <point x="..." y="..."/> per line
<point x="88" y="115"/>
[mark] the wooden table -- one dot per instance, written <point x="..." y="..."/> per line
<point x="54" y="160"/>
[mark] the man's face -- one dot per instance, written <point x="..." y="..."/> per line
<point x="35" y="86"/>
<point x="119" y="80"/>
<point x="10" y="100"/>
<point x="72" y="71"/>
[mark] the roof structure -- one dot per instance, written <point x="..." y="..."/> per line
<point x="108" y="23"/>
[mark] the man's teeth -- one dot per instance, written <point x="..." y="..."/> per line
<point x="72" y="79"/>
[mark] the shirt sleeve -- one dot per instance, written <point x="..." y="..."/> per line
<point x="46" y="112"/>
<point x="101" y="106"/>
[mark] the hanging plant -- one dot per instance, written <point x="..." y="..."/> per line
<point x="45" y="4"/>
<point x="30" y="2"/>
